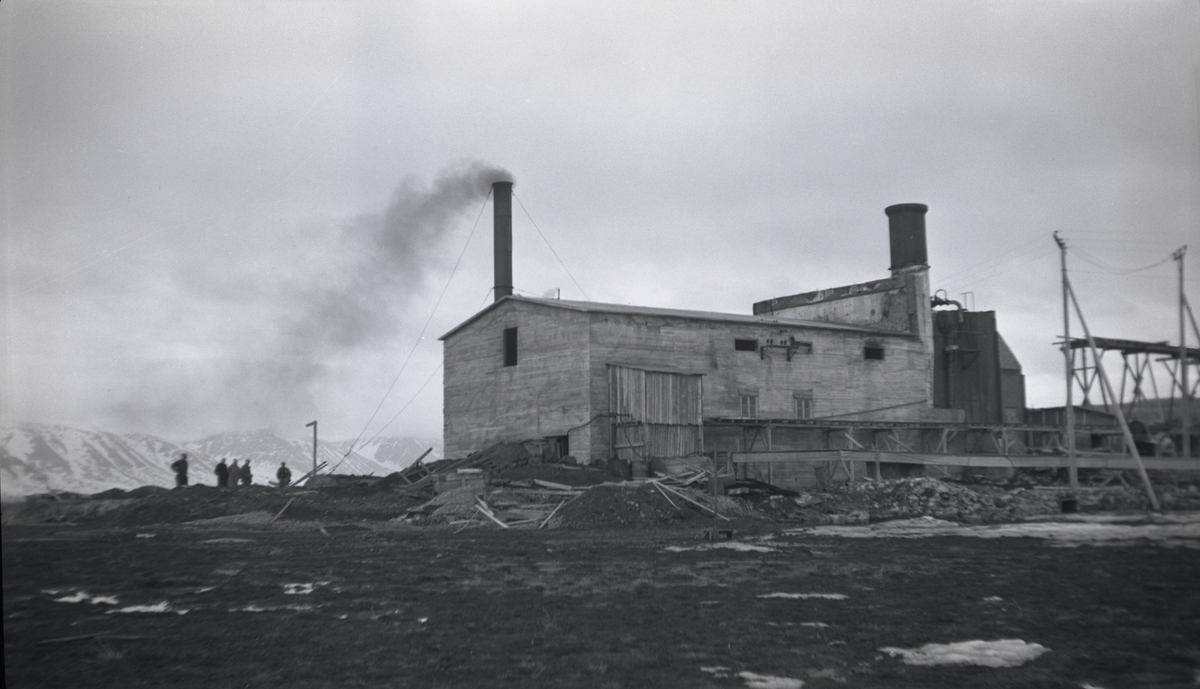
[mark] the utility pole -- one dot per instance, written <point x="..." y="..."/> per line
<point x="1183" y="362"/>
<point x="314" y="426"/>
<point x="1105" y="384"/>
<point x="1069" y="358"/>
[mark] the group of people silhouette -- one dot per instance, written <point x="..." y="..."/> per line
<point x="228" y="476"/>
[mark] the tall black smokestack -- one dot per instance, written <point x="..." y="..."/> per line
<point x="502" y="240"/>
<point x="906" y="229"/>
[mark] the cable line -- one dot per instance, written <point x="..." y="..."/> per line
<point x="1103" y="265"/>
<point x="560" y="261"/>
<point x="423" y="329"/>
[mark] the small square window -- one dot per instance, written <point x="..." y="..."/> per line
<point x="743" y="345"/>
<point x="873" y="352"/>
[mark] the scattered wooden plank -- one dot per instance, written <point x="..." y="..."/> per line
<point x="491" y="516"/>
<point x="551" y="515"/>
<point x="551" y="485"/>
<point x="702" y="506"/>
<point x="664" y="494"/>
<point x="536" y="491"/>
<point x="280" y="513"/>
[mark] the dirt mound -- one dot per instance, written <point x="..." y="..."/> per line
<point x="620" y="504"/>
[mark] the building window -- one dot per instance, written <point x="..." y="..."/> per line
<point x="510" y="346"/>
<point x="804" y="404"/>
<point x="745" y="345"/>
<point x="802" y="347"/>
<point x="748" y="404"/>
<point x="873" y="351"/>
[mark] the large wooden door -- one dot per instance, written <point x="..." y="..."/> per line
<point x="658" y="414"/>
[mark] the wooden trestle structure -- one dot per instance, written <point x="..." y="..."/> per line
<point x="933" y="444"/>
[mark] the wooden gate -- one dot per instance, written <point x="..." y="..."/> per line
<point x="658" y="413"/>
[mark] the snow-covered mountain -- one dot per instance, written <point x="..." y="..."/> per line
<point x="38" y="458"/>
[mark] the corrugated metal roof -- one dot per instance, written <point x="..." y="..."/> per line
<point x="631" y="310"/>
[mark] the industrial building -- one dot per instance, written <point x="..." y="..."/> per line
<point x="810" y="371"/>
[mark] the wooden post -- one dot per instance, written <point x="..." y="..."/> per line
<point x="1069" y="357"/>
<point x="1106" y="385"/>
<point x="1183" y="363"/>
<point x="314" y="427"/>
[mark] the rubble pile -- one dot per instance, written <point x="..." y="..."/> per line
<point x="620" y="504"/>
<point x="975" y="504"/>
<point x="451" y="506"/>
<point x="917" y="497"/>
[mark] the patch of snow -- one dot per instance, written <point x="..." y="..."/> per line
<point x="1175" y="530"/>
<point x="77" y="597"/>
<point x="757" y="681"/>
<point x="830" y="596"/>
<point x="258" y="608"/>
<point x="726" y="545"/>
<point x="1000" y="653"/>
<point x="818" y="625"/>
<point x="82" y="597"/>
<point x="302" y="589"/>
<point x="163" y="606"/>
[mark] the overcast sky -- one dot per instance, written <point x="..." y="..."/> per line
<point x="238" y="215"/>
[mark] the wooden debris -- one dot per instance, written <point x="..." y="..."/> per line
<point x="664" y="494"/>
<point x="549" y="516"/>
<point x="280" y="513"/>
<point x="551" y="485"/>
<point x="702" y="506"/>
<point x="488" y="513"/>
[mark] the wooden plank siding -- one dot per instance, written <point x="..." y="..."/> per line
<point x="562" y="383"/>
<point x="544" y="394"/>
<point x="656" y="414"/>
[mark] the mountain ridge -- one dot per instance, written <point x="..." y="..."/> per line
<point x="40" y="458"/>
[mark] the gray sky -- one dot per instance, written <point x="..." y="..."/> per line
<point x="240" y="215"/>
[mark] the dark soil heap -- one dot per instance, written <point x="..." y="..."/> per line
<point x="620" y="504"/>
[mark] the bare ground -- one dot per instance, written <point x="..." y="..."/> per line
<point x="377" y="604"/>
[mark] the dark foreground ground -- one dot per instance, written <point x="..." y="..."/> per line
<point x="394" y="606"/>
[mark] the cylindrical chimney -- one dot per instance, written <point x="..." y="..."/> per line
<point x="502" y="237"/>
<point x="906" y="229"/>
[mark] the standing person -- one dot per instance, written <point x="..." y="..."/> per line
<point x="222" y="472"/>
<point x="235" y="473"/>
<point x="284" y="475"/>
<point x="179" y="466"/>
<point x="244" y="474"/>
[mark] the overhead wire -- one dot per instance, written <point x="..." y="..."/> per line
<point x="423" y="385"/>
<point x="560" y="261"/>
<point x="417" y="342"/>
<point x="1104" y="265"/>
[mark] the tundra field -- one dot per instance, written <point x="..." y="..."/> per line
<point x="310" y="601"/>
